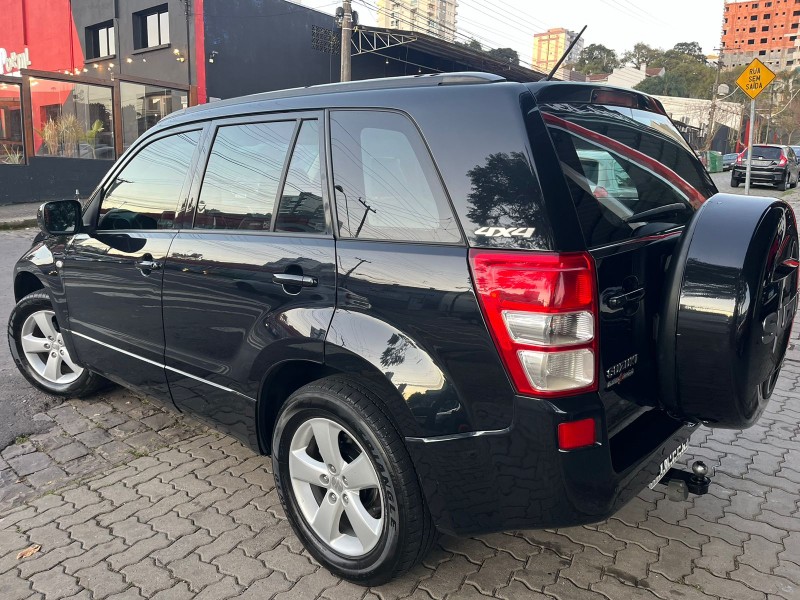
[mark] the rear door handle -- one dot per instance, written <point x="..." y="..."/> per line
<point x="292" y="279"/>
<point x="147" y="265"/>
<point x="620" y="300"/>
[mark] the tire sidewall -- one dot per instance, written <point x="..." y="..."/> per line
<point x="30" y="304"/>
<point x="304" y="405"/>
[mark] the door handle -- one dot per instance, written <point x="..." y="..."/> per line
<point x="147" y="265"/>
<point x="620" y="300"/>
<point x="292" y="279"/>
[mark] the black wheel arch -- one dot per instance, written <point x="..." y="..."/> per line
<point x="286" y="377"/>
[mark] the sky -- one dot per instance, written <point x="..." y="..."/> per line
<point x="618" y="24"/>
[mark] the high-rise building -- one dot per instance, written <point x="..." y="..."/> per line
<point x="550" y="45"/>
<point x="763" y="29"/>
<point x="434" y="17"/>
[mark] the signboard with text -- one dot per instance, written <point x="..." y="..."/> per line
<point x="755" y="78"/>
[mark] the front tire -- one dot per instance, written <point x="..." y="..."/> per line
<point x="37" y="345"/>
<point x="347" y="482"/>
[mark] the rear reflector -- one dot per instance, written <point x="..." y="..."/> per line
<point x="541" y="309"/>
<point x="576" y="434"/>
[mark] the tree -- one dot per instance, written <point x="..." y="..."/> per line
<point x="506" y="55"/>
<point x="691" y="49"/>
<point x="642" y="55"/>
<point x="596" y="58"/>
<point x="472" y="44"/>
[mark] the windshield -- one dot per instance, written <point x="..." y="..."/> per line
<point x="630" y="171"/>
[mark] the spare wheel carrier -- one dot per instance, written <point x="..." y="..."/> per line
<point x="731" y="296"/>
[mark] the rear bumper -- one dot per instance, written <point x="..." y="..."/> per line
<point x="768" y="176"/>
<point x="518" y="479"/>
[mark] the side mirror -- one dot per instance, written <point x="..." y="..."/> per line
<point x="60" y="217"/>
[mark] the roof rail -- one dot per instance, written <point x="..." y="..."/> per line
<point x="384" y="83"/>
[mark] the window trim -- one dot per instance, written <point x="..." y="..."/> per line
<point x="92" y="211"/>
<point x="140" y="28"/>
<point x="213" y="126"/>
<point x="94" y="30"/>
<point x="334" y="209"/>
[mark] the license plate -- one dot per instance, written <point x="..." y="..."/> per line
<point x="667" y="463"/>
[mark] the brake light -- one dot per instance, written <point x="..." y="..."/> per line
<point x="541" y="309"/>
<point x="783" y="161"/>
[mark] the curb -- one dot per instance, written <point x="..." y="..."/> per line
<point x="17" y="224"/>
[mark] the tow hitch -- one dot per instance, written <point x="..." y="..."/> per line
<point x="680" y="483"/>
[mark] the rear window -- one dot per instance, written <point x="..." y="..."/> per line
<point x="630" y="171"/>
<point x="767" y="152"/>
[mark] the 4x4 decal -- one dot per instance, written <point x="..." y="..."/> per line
<point x="523" y="232"/>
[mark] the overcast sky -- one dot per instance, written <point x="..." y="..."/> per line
<point x="618" y="24"/>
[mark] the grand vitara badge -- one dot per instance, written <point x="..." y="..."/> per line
<point x="522" y="232"/>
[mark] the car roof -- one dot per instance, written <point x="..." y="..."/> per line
<point x="314" y="97"/>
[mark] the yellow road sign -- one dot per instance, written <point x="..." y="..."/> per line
<point x="755" y="78"/>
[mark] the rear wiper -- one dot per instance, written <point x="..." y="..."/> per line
<point x="667" y="208"/>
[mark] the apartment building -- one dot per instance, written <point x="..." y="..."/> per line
<point x="763" y="29"/>
<point x="550" y="45"/>
<point x="434" y="17"/>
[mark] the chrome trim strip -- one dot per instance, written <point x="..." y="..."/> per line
<point x="458" y="436"/>
<point x="125" y="352"/>
<point x="163" y="366"/>
<point x="207" y="382"/>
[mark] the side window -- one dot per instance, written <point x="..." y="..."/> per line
<point x="242" y="177"/>
<point x="145" y="194"/>
<point x="301" y="207"/>
<point x="386" y="185"/>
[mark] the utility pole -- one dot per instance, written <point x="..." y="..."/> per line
<point x="347" y="35"/>
<point x="710" y="135"/>
<point x="769" y="119"/>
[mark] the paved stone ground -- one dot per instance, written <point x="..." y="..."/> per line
<point x="129" y="500"/>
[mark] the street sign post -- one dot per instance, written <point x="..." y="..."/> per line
<point x="753" y="80"/>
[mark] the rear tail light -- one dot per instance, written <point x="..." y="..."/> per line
<point x="783" y="161"/>
<point x="541" y="310"/>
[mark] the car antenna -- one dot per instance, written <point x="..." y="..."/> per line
<point x="566" y="53"/>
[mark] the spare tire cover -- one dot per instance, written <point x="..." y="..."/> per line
<point x="731" y="295"/>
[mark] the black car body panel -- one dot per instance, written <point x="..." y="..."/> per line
<point x="204" y="318"/>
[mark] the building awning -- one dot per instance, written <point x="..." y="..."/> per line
<point x="441" y="52"/>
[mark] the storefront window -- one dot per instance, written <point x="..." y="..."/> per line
<point x="11" y="147"/>
<point x="72" y="119"/>
<point x="145" y="105"/>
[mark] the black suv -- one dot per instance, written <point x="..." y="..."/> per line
<point x="441" y="303"/>
<point x="772" y="164"/>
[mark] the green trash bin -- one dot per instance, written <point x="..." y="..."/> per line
<point x="714" y="162"/>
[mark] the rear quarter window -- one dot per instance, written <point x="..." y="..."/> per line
<point x="387" y="187"/>
<point x="630" y="172"/>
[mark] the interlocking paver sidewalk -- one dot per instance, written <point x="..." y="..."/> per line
<point x="197" y="516"/>
<point x="130" y="500"/>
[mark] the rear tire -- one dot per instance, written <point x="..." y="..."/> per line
<point x="784" y="183"/>
<point x="36" y="343"/>
<point x="734" y="181"/>
<point x="796" y="179"/>
<point x="377" y="525"/>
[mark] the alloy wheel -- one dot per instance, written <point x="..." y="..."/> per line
<point x="336" y="487"/>
<point x="44" y="349"/>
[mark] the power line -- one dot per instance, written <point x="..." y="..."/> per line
<point x="464" y="34"/>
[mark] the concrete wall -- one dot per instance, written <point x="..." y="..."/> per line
<point x="153" y="64"/>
